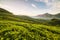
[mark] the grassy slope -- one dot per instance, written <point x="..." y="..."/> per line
<point x="14" y="28"/>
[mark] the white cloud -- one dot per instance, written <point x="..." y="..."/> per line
<point x="45" y="1"/>
<point x="41" y="0"/>
<point x="37" y="0"/>
<point x="26" y="0"/>
<point x="54" y="5"/>
<point x="55" y="8"/>
<point x="33" y="5"/>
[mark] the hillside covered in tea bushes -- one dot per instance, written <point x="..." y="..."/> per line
<point x="17" y="27"/>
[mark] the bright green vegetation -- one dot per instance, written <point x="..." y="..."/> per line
<point x="25" y="28"/>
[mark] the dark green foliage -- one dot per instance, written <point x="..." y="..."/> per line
<point x="55" y="22"/>
<point x="57" y="15"/>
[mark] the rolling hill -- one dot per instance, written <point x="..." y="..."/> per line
<point x="16" y="27"/>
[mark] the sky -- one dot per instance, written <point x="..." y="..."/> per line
<point x="31" y="7"/>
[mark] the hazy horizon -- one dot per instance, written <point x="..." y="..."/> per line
<point x="31" y="7"/>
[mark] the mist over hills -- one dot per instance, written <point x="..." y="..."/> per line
<point x="48" y="16"/>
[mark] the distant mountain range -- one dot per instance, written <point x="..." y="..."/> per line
<point x="47" y="16"/>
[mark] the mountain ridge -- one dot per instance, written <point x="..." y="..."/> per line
<point x="49" y="15"/>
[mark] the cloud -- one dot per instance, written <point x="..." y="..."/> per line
<point x="41" y="0"/>
<point x="33" y="5"/>
<point x="45" y="1"/>
<point x="56" y="5"/>
<point x="37" y="0"/>
<point x="26" y="0"/>
<point x="49" y="2"/>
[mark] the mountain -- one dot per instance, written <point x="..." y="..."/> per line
<point x="47" y="16"/>
<point x="4" y="12"/>
<point x="44" y="16"/>
<point x="6" y="15"/>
